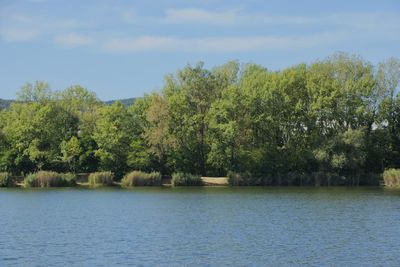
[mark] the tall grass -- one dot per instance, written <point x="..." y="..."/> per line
<point x="6" y="180"/>
<point x="101" y="178"/>
<point x="186" y="179"/>
<point x="391" y="177"/>
<point x="49" y="179"/>
<point x="301" y="179"/>
<point x="139" y="178"/>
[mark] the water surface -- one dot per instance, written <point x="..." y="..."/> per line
<point x="200" y="227"/>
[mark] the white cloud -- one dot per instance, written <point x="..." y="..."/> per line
<point x="129" y="15"/>
<point x="114" y="36"/>
<point x="140" y="44"/>
<point x="37" y="1"/>
<point x="18" y="34"/>
<point x="202" y="16"/>
<point x="73" y="39"/>
<point x="218" y="44"/>
<point x="372" y="25"/>
<point x="361" y="22"/>
<point x="17" y="27"/>
<point x="228" y="17"/>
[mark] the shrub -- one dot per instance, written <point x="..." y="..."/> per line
<point x="101" y="178"/>
<point x="245" y="178"/>
<point x="138" y="178"/>
<point x="186" y="179"/>
<point x="391" y="177"/>
<point x="6" y="180"/>
<point x="50" y="179"/>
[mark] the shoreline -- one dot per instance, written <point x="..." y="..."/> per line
<point x="83" y="181"/>
<point x="207" y="182"/>
<point x="117" y="185"/>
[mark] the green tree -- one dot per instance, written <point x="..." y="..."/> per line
<point x="140" y="156"/>
<point x="388" y="80"/>
<point x="156" y="133"/>
<point x="189" y="96"/>
<point x="338" y="115"/>
<point x="35" y="131"/>
<point x="37" y="92"/>
<point x="113" y="135"/>
<point x="85" y="106"/>
<point x="71" y="151"/>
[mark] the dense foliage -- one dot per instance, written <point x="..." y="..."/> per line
<point x="243" y="179"/>
<point x="339" y="116"/>
<point x="6" y="179"/>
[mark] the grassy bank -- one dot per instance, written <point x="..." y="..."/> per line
<point x="303" y="179"/>
<point x="50" y="179"/>
<point x="186" y="179"/>
<point x="101" y="179"/>
<point x="138" y="178"/>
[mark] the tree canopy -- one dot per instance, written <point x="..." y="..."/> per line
<point x="338" y="115"/>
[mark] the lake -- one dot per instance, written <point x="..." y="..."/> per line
<point x="200" y="227"/>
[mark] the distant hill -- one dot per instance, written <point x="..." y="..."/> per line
<point x="5" y="103"/>
<point x="126" y="102"/>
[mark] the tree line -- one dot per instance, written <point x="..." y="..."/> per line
<point x="338" y="115"/>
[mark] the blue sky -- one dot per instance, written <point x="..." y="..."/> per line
<point x="121" y="49"/>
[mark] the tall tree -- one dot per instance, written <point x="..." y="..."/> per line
<point x="113" y="135"/>
<point x="157" y="133"/>
<point x="189" y="96"/>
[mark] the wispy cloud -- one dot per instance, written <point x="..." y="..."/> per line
<point x="37" y="1"/>
<point x="72" y="39"/>
<point x="218" y="44"/>
<point x="23" y="28"/>
<point x="372" y="22"/>
<point x="130" y="32"/>
<point x="18" y="34"/>
<point x="331" y="29"/>
<point x="227" y="17"/>
<point x="202" y="16"/>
